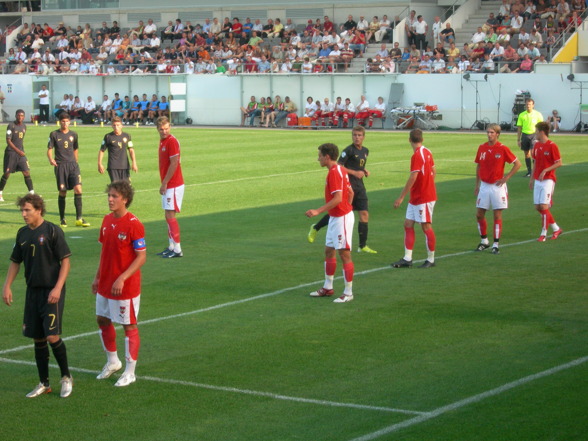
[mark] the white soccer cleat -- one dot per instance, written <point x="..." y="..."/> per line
<point x="108" y="370"/>
<point x="125" y="379"/>
<point x="40" y="389"/>
<point x="66" y="387"/>
<point x="344" y="298"/>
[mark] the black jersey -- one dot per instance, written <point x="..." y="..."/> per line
<point x="42" y="251"/>
<point x="354" y="159"/>
<point x="16" y="133"/>
<point x="64" y="145"/>
<point x="117" y="146"/>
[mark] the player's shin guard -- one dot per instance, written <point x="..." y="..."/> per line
<point x="409" y="237"/>
<point x="497" y="230"/>
<point x="3" y="181"/>
<point x="60" y="354"/>
<point x="430" y="241"/>
<point x="348" y="270"/>
<point x="132" y="344"/>
<point x="362" y="229"/>
<point x="78" y="205"/>
<point x="330" y="268"/>
<point x="108" y="338"/>
<point x="483" y="228"/>
<point x="61" y="205"/>
<point x="42" y="360"/>
<point x="28" y="183"/>
<point x="173" y="229"/>
<point x="323" y="222"/>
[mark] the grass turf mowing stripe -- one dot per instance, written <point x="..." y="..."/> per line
<point x="471" y="400"/>
<point x="280" y="291"/>
<point x="238" y="391"/>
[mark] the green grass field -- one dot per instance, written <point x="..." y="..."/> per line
<point x="481" y="347"/>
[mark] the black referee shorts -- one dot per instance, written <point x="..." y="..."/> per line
<point x="67" y="175"/>
<point x="527" y="141"/>
<point x="41" y="318"/>
<point x="13" y="163"/>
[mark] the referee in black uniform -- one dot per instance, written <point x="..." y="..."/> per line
<point x="67" y="170"/>
<point x="117" y="143"/>
<point x="14" y="155"/>
<point x="353" y="158"/>
<point x="41" y="246"/>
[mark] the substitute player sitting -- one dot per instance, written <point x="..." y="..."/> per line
<point x="118" y="143"/>
<point x="547" y="160"/>
<point x="491" y="190"/>
<point x="117" y="284"/>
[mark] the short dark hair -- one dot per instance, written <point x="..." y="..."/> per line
<point x="330" y="150"/>
<point x="64" y="115"/>
<point x="123" y="188"/>
<point x="358" y="128"/>
<point x="34" y="199"/>
<point x="543" y="127"/>
<point x="416" y="135"/>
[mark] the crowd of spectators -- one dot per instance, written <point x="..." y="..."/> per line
<point x="142" y="111"/>
<point x="512" y="39"/>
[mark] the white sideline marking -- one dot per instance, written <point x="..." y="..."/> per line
<point x="237" y="391"/>
<point x="470" y="400"/>
<point x="275" y="293"/>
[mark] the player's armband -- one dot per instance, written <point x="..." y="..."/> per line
<point x="139" y="244"/>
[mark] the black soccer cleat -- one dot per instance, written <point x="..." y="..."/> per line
<point x="495" y="250"/>
<point x="402" y="264"/>
<point x="427" y="264"/>
<point x="482" y="247"/>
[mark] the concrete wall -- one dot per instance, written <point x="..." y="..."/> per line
<point x="215" y="99"/>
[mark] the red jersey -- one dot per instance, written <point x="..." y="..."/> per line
<point x="120" y="238"/>
<point x="338" y="180"/>
<point x="545" y="155"/>
<point x="423" y="190"/>
<point x="491" y="159"/>
<point x="168" y="148"/>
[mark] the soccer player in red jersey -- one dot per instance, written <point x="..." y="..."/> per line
<point x="491" y="190"/>
<point x="338" y="197"/>
<point x="117" y="284"/>
<point x="547" y="158"/>
<point x="172" y="185"/>
<point x="421" y="185"/>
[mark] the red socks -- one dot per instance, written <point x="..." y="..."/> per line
<point x="108" y="336"/>
<point x="173" y="229"/>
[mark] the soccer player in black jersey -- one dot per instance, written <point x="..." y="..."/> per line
<point x="41" y="246"/>
<point x="14" y="155"/>
<point x="353" y="158"/>
<point x="117" y="143"/>
<point x="67" y="170"/>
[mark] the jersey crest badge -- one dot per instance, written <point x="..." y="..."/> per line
<point x="71" y="138"/>
<point x="125" y="140"/>
<point x="122" y="236"/>
<point x="41" y="239"/>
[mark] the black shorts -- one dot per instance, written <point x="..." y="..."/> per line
<point x="41" y="318"/>
<point x="360" y="199"/>
<point x="119" y="175"/>
<point x="13" y="163"/>
<point x="527" y="142"/>
<point x="67" y="176"/>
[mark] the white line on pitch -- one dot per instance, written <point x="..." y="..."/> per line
<point x="470" y="400"/>
<point x="238" y="391"/>
<point x="275" y="293"/>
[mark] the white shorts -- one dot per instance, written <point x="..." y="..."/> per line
<point x="543" y="192"/>
<point x="491" y="195"/>
<point x="340" y="231"/>
<point x="422" y="213"/>
<point x="172" y="199"/>
<point x="124" y="312"/>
